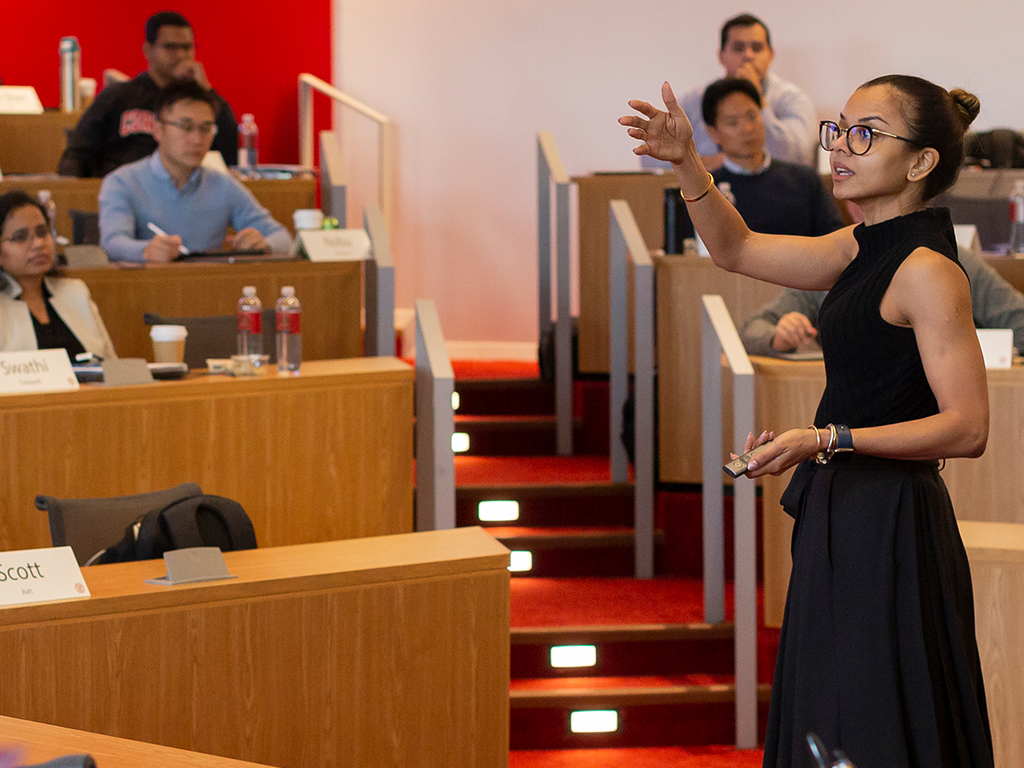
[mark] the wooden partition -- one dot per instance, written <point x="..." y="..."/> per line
<point x="320" y="456"/>
<point x="390" y="651"/>
<point x="280" y="196"/>
<point x="34" y="143"/>
<point x="787" y="395"/>
<point x="681" y="281"/>
<point x="39" y="742"/>
<point x="996" y="552"/>
<point x="330" y="293"/>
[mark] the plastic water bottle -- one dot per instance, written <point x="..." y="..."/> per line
<point x="46" y="198"/>
<point x="1016" y="245"/>
<point x="248" y="142"/>
<point x="289" y="331"/>
<point x="250" y="323"/>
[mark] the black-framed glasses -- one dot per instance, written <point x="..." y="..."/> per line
<point x="858" y="137"/>
<point x="28" y="234"/>
<point x="203" y="129"/>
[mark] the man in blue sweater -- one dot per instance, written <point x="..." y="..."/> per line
<point x="153" y="207"/>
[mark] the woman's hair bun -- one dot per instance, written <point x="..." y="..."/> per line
<point x="967" y="103"/>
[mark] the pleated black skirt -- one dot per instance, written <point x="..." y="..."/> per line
<point x="878" y="654"/>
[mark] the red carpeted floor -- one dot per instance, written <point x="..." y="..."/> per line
<point x="652" y="757"/>
<point x="500" y="470"/>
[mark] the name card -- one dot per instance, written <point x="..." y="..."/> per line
<point x="19" y="100"/>
<point x="39" y="576"/>
<point x="334" y="244"/>
<point x="967" y="239"/>
<point x="39" y="370"/>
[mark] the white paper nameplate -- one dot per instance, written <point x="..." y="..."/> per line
<point x="39" y="576"/>
<point x="334" y="244"/>
<point x="967" y="239"/>
<point x="996" y="346"/>
<point x="19" y="100"/>
<point x="187" y="566"/>
<point x="39" y="370"/>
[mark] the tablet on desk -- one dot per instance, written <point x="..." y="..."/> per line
<point x="94" y="371"/>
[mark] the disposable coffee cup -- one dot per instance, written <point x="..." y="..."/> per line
<point x="168" y="343"/>
<point x="307" y="218"/>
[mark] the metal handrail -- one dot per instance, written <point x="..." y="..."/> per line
<point x="627" y="247"/>
<point x="435" y="423"/>
<point x="309" y="83"/>
<point x="719" y="336"/>
<point x="379" y="279"/>
<point x="550" y="171"/>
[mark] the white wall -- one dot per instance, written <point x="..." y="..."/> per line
<point x="470" y="82"/>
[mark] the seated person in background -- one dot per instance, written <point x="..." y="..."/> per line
<point x="790" y="321"/>
<point x="39" y="310"/>
<point x="118" y="126"/>
<point x="774" y="197"/>
<point x="791" y="125"/>
<point x="171" y="190"/>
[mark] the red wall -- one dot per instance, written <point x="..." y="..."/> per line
<point x="253" y="58"/>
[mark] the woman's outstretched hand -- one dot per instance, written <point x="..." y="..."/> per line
<point x="665" y="134"/>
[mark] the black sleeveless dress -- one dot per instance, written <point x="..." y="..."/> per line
<point x="877" y="654"/>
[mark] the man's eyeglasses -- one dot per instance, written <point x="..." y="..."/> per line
<point x="177" y="47"/>
<point x="858" y="137"/>
<point x="187" y="126"/>
<point x="27" y="234"/>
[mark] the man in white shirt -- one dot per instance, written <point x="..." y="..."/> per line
<point x="790" y="121"/>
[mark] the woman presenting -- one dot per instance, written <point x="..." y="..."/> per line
<point x="39" y="310"/>
<point x="877" y="653"/>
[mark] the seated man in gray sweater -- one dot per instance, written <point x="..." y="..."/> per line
<point x="789" y="322"/>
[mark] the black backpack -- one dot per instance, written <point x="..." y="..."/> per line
<point x="198" y="521"/>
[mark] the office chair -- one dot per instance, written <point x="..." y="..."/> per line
<point x="91" y="525"/>
<point x="213" y="336"/>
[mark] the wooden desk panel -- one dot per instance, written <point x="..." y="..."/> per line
<point x="280" y="196"/>
<point x="1012" y="270"/>
<point x="39" y="742"/>
<point x="321" y="456"/>
<point x="996" y="552"/>
<point x="681" y="281"/>
<point x="331" y="296"/>
<point x="372" y="652"/>
<point x="34" y="143"/>
<point x="787" y="395"/>
<point x="643" y="192"/>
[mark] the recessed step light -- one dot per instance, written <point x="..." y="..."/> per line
<point x="520" y="561"/>
<point x="594" y="721"/>
<point x="497" y="511"/>
<point x="563" y="656"/>
<point x="455" y="401"/>
<point x="460" y="442"/>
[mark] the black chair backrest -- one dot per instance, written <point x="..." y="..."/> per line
<point x="213" y="336"/>
<point x="89" y="525"/>
<point x="85" y="227"/>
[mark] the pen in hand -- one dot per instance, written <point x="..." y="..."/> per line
<point x="157" y="231"/>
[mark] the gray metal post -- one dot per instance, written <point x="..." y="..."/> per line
<point x="711" y="489"/>
<point x="435" y="423"/>
<point x="380" y="287"/>
<point x="618" y="351"/>
<point x="332" y="178"/>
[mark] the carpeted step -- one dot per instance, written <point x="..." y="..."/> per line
<point x="510" y="397"/>
<point x="701" y="756"/>
<point x="582" y="505"/>
<point x="606" y="552"/>
<point x="626" y="650"/>
<point x="651" y="711"/>
<point x="530" y="435"/>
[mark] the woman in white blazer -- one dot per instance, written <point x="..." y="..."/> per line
<point x="38" y="309"/>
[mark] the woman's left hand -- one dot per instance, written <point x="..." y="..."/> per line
<point x="785" y="451"/>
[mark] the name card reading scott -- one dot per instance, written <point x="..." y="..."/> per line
<point x="40" y="370"/>
<point x="39" y="576"/>
<point x="334" y="244"/>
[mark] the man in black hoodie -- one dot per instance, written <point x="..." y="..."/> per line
<point x="118" y="127"/>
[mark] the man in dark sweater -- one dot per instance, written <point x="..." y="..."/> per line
<point x="118" y="127"/>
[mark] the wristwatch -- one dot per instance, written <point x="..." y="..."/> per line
<point x="844" y="439"/>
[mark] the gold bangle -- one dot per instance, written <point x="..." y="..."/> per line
<point x="711" y="183"/>
<point x="817" y="438"/>
<point x="820" y="457"/>
<point x="833" y="439"/>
